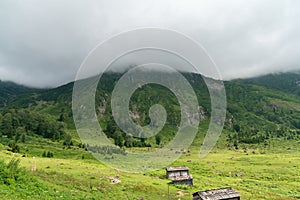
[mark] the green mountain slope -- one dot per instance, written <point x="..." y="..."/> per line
<point x="10" y="92"/>
<point x="255" y="112"/>
<point x="286" y="82"/>
<point x="257" y="154"/>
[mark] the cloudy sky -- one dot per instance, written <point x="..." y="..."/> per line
<point x="43" y="43"/>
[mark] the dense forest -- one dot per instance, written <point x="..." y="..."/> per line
<point x="257" y="110"/>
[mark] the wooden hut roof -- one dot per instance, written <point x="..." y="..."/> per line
<point x="174" y="169"/>
<point x="217" y="194"/>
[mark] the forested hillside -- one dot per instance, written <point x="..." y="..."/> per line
<point x="11" y="92"/>
<point x="286" y="82"/>
<point x="258" y="109"/>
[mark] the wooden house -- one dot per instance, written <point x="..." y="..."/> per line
<point x="173" y="172"/>
<point x="183" y="180"/>
<point x="179" y="175"/>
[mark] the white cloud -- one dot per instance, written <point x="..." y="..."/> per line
<point x="43" y="43"/>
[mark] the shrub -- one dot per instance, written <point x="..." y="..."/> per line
<point x="9" y="173"/>
<point x="48" y="154"/>
<point x="68" y="140"/>
<point x="13" y="147"/>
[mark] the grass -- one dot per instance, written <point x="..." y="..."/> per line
<point x="274" y="175"/>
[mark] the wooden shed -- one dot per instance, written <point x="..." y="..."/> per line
<point x="217" y="194"/>
<point x="183" y="180"/>
<point x="173" y="172"/>
<point x="179" y="175"/>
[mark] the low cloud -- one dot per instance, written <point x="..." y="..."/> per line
<point x="42" y="43"/>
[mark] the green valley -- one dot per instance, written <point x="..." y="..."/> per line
<point x="258" y="153"/>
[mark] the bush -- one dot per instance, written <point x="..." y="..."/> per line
<point x="13" y="147"/>
<point x="48" y="154"/>
<point x="20" y="184"/>
<point x="9" y="173"/>
<point x="68" y="140"/>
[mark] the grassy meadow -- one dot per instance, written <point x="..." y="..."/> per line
<point x="265" y="173"/>
<point x="258" y="153"/>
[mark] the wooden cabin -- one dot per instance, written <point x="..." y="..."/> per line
<point x="179" y="175"/>
<point x="173" y="172"/>
<point x="183" y="180"/>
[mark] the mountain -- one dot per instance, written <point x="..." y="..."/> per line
<point x="286" y="82"/>
<point x="257" y="109"/>
<point x="9" y="91"/>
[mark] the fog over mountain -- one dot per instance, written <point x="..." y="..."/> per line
<point x="43" y="43"/>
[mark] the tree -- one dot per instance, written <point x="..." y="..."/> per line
<point x="110" y="128"/>
<point x="50" y="154"/>
<point x="23" y="138"/>
<point x="19" y="132"/>
<point x="158" y="139"/>
<point x="128" y="141"/>
<point x="1" y="124"/>
<point x="237" y="128"/>
<point x="15" y="121"/>
<point x="13" y="147"/>
<point x="61" y="118"/>
<point x="68" y="140"/>
<point x="142" y="138"/>
<point x="236" y="145"/>
<point x="7" y="126"/>
<point x="266" y="143"/>
<point x="119" y="140"/>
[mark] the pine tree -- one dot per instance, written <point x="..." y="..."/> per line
<point x="23" y="138"/>
<point x="7" y="126"/>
